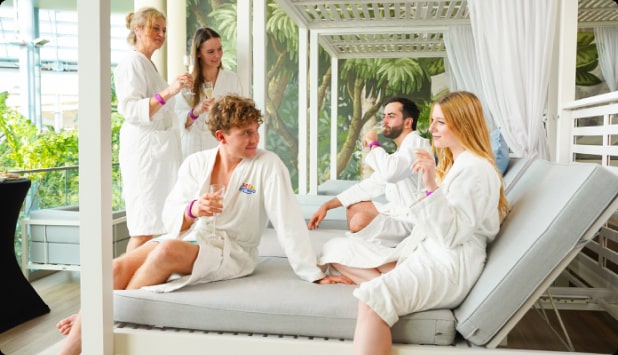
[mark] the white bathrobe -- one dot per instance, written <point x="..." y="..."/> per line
<point x="392" y="177"/>
<point x="150" y="152"/>
<point x="440" y="261"/>
<point x="197" y="136"/>
<point x="258" y="191"/>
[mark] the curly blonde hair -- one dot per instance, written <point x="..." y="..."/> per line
<point x="232" y="111"/>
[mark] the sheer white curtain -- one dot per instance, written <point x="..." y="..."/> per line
<point x="607" y="47"/>
<point x="463" y="65"/>
<point x="514" y="41"/>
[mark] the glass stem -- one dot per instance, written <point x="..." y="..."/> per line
<point x="418" y="181"/>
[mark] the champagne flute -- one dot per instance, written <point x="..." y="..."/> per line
<point x="424" y="145"/>
<point x="207" y="88"/>
<point x="378" y="128"/>
<point x="219" y="191"/>
<point x="188" y="62"/>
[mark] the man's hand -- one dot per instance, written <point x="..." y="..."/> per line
<point x="317" y="218"/>
<point x="335" y="279"/>
<point x="370" y="136"/>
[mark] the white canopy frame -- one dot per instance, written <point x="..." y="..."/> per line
<point x="94" y="44"/>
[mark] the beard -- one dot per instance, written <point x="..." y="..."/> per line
<point x="393" y="132"/>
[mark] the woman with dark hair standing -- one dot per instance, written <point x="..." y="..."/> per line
<point x="206" y="52"/>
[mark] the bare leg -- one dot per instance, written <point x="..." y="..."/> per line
<point x="136" y="241"/>
<point x="125" y="266"/>
<point x="124" y="269"/>
<point x="171" y="256"/>
<point x="372" y="335"/>
<point x="360" y="215"/>
<point x="359" y="275"/>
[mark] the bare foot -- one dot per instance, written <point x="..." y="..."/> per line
<point x="72" y="344"/>
<point x="65" y="325"/>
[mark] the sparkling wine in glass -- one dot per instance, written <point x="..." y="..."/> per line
<point x="219" y="191"/>
<point x="424" y="145"/>
<point x="207" y="88"/>
<point x="188" y="62"/>
<point x="378" y="128"/>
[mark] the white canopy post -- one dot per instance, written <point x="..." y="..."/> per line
<point x="95" y="176"/>
<point x="313" y="112"/>
<point x="514" y="42"/>
<point x="244" y="46"/>
<point x="334" y="115"/>
<point x="303" y="38"/>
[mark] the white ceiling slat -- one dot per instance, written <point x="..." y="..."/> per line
<point x="323" y="14"/>
<point x="338" y="20"/>
<point x="375" y="8"/>
<point x="311" y="11"/>
<point x="397" y="10"/>
<point x="355" y="10"/>
<point x="365" y="11"/>
<point x="345" y="11"/>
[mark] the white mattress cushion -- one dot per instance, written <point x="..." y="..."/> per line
<point x="273" y="300"/>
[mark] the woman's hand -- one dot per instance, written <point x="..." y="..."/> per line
<point x="425" y="163"/>
<point x="203" y="106"/>
<point x="182" y="81"/>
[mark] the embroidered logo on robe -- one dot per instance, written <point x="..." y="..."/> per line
<point x="249" y="189"/>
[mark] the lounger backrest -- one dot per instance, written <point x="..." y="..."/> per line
<point x="514" y="171"/>
<point x="556" y="209"/>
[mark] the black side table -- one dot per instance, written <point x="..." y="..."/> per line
<point x="20" y="301"/>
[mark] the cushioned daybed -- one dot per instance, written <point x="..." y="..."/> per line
<point x="556" y="209"/>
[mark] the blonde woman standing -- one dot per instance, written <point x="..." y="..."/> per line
<point x="150" y="151"/>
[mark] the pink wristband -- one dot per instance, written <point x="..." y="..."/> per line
<point x="192" y="115"/>
<point x="158" y="97"/>
<point x="428" y="193"/>
<point x="189" y="207"/>
<point x="374" y="144"/>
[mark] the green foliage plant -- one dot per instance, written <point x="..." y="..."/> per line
<point x="587" y="60"/>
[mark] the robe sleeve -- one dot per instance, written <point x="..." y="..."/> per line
<point x="365" y="190"/>
<point x="392" y="168"/>
<point x="285" y="215"/>
<point x="132" y="91"/>
<point x="455" y="214"/>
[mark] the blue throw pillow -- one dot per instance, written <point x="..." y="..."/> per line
<point x="500" y="149"/>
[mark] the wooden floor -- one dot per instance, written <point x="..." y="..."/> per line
<point x="590" y="331"/>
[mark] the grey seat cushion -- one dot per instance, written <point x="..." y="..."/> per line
<point x="553" y="209"/>
<point x="273" y="300"/>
